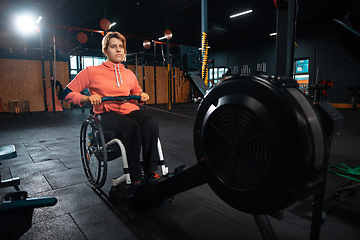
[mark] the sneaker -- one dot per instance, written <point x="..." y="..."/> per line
<point x="151" y="176"/>
<point x="156" y="175"/>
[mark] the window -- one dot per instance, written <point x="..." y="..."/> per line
<point x="86" y="61"/>
<point x="215" y="75"/>
<point x="301" y="74"/>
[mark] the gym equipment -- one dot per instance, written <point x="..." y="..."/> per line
<point x="321" y="88"/>
<point x="261" y="145"/>
<point x="262" y="142"/>
<point x="349" y="37"/>
<point x="99" y="147"/>
<point x="146" y="44"/>
<point x="16" y="209"/>
<point x="168" y="34"/>
<point x="189" y="58"/>
<point x="8" y="152"/>
<point x="355" y="93"/>
<point x="105" y="24"/>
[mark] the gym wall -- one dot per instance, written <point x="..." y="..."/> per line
<point x="21" y="80"/>
<point x="182" y="85"/>
<point x="318" y="42"/>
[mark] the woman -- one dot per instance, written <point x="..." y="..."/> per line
<point x="133" y="127"/>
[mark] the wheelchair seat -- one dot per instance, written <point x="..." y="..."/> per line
<point x="99" y="146"/>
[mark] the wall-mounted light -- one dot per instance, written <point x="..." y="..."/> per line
<point x="167" y="34"/>
<point x="273" y="34"/>
<point x="38" y="20"/>
<point x="113" y="24"/>
<point x="239" y="14"/>
<point x="201" y="48"/>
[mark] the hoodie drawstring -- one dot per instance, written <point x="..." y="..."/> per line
<point x="117" y="70"/>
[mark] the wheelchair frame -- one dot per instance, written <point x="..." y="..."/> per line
<point x="95" y="150"/>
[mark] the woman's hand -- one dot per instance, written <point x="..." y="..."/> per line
<point x="93" y="99"/>
<point x="144" y="97"/>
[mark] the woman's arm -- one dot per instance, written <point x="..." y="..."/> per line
<point x="93" y="99"/>
<point x="72" y="92"/>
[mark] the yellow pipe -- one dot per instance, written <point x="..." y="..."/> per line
<point x="205" y="51"/>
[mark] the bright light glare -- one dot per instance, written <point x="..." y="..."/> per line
<point x="239" y="14"/>
<point x="25" y="24"/>
<point x="273" y="34"/>
<point x="162" y="38"/>
<point x="113" y="24"/>
<point x="38" y="20"/>
<point x="207" y="47"/>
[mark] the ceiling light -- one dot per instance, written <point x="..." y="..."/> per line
<point x="162" y="38"/>
<point x="273" y="34"/>
<point x="113" y="24"/>
<point x="25" y="23"/>
<point x="239" y="14"/>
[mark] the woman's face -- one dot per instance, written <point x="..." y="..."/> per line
<point x="115" y="51"/>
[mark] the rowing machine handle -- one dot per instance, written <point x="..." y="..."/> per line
<point x="121" y="98"/>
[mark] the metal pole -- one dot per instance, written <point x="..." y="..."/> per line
<point x="174" y="98"/>
<point x="318" y="205"/>
<point x="267" y="232"/>
<point x="285" y="28"/>
<point x="136" y="68"/>
<point x="204" y="42"/>
<point x="69" y="62"/>
<point x="143" y="70"/>
<point x="291" y="38"/>
<point x="51" y="75"/>
<point x="168" y="73"/>
<point x="155" y="72"/>
<point x="43" y="68"/>
<point x="54" y="79"/>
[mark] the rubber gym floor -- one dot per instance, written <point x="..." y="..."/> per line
<point x="49" y="164"/>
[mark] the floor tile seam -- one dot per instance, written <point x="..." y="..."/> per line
<point x="53" y="189"/>
<point x="44" y="221"/>
<point x="30" y="158"/>
<point x="67" y="168"/>
<point x="47" y="180"/>
<point x="82" y="232"/>
<point x="41" y="161"/>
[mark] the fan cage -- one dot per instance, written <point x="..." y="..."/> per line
<point x="236" y="145"/>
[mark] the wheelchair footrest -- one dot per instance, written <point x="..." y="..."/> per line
<point x="146" y="195"/>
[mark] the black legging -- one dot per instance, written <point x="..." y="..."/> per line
<point x="135" y="130"/>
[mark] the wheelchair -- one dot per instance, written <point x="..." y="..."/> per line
<point x="98" y="147"/>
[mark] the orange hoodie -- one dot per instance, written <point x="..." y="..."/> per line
<point x="105" y="80"/>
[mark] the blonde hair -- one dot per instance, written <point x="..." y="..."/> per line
<point x="106" y="40"/>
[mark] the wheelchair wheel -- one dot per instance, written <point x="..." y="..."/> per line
<point x="93" y="152"/>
